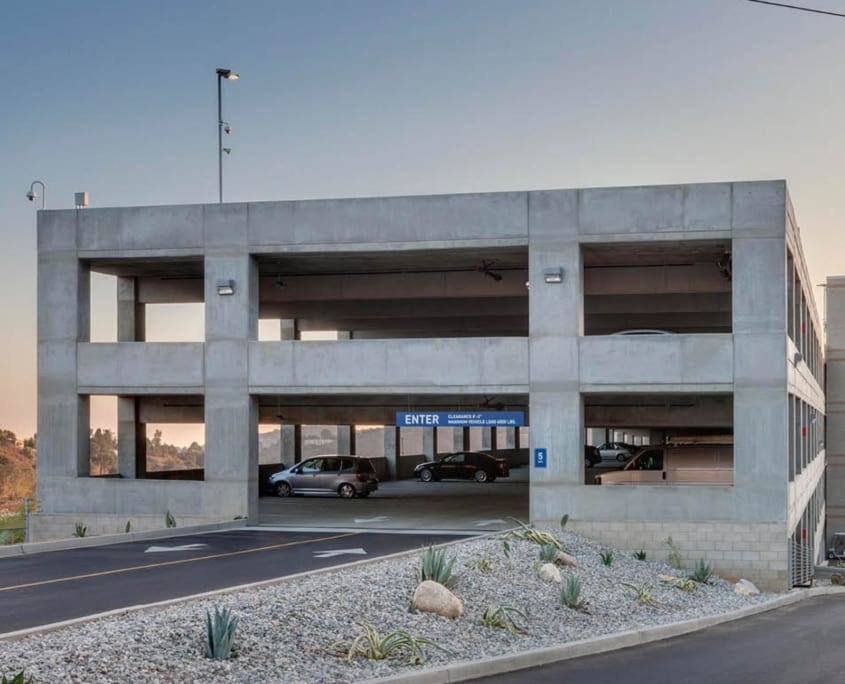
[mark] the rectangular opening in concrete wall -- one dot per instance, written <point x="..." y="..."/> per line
<point x="659" y="439"/>
<point x="478" y="292"/>
<point x="174" y="323"/>
<point x="411" y="441"/>
<point x="175" y="448"/>
<point x="657" y="287"/>
<point x="102" y="446"/>
<point x="103" y="307"/>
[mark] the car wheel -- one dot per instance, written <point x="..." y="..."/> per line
<point x="283" y="489"/>
<point x="480" y="476"/>
<point x="621" y="457"/>
<point x="346" y="491"/>
<point x="426" y="475"/>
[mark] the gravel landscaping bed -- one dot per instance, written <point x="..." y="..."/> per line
<point x="286" y="630"/>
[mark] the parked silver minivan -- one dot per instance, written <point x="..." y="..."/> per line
<point x="346" y="476"/>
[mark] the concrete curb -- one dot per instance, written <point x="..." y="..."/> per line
<point x="468" y="670"/>
<point x="107" y="539"/>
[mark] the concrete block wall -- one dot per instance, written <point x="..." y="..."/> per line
<point x="755" y="551"/>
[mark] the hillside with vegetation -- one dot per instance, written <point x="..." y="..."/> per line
<point x="17" y="469"/>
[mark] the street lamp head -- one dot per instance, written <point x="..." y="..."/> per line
<point x="227" y="127"/>
<point x="228" y="74"/>
<point x="31" y="195"/>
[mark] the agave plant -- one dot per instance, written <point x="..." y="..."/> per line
<point x="682" y="583"/>
<point x="396" y="644"/>
<point x="642" y="593"/>
<point x="640" y="555"/>
<point x="435" y="566"/>
<point x="19" y="678"/>
<point x="80" y="530"/>
<point x="606" y="558"/>
<point x="169" y="520"/>
<point x="220" y="633"/>
<point x="504" y="617"/>
<point x="570" y="594"/>
<point x="703" y="572"/>
<point x="536" y="536"/>
<point x="548" y="553"/>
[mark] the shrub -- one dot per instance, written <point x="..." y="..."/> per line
<point x="128" y="527"/>
<point x="436" y="567"/>
<point x="642" y="593"/>
<point x="682" y="583"/>
<point x="548" y="553"/>
<point x="484" y="565"/>
<point x="640" y="555"/>
<point x="19" y="678"/>
<point x="564" y="520"/>
<point x="220" y="633"/>
<point x="395" y="644"/>
<point x="570" y="594"/>
<point x="169" y="520"/>
<point x="503" y="617"/>
<point x="506" y="549"/>
<point x="674" y="556"/>
<point x="535" y="536"/>
<point x="702" y="573"/>
<point x="80" y="530"/>
<point x="607" y="558"/>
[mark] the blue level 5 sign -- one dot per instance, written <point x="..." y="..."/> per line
<point x="460" y="419"/>
<point x="541" y="458"/>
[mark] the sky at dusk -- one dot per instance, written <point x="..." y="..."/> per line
<point x="358" y="98"/>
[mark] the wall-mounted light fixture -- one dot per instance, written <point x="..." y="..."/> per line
<point x="553" y="275"/>
<point x="80" y="200"/>
<point x="225" y="287"/>
<point x="797" y="358"/>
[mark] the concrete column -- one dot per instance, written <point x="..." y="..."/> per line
<point x="429" y="439"/>
<point x="127" y="418"/>
<point x="63" y="321"/>
<point x="391" y="451"/>
<point x="346" y="439"/>
<point x="289" y="445"/>
<point x="127" y="430"/>
<point x="231" y="321"/>
<point x="760" y="374"/>
<point x="494" y="441"/>
<point x="556" y="320"/>
<point x="140" y="450"/>
<point x="460" y="439"/>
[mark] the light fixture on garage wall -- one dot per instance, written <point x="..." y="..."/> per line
<point x="553" y="275"/>
<point x="797" y="358"/>
<point x="225" y="287"/>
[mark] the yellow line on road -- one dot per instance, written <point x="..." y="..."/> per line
<point x="176" y="562"/>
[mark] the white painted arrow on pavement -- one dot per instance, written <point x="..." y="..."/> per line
<point x="184" y="547"/>
<point x="378" y="518"/>
<point x="484" y="523"/>
<point x="339" y="552"/>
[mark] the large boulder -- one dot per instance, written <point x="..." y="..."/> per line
<point x="548" y="572"/>
<point x="565" y="559"/>
<point x="746" y="588"/>
<point x="433" y="597"/>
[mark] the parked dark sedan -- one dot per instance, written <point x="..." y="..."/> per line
<point x="465" y="465"/>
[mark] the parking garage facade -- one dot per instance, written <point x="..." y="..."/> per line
<point x="673" y="312"/>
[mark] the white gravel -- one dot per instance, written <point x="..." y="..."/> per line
<point x="286" y="629"/>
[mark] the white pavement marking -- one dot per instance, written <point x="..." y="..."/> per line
<point x="184" y="547"/>
<point x="378" y="518"/>
<point x="484" y="523"/>
<point x="340" y="552"/>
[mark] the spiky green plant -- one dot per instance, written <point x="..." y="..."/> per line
<point x="606" y="558"/>
<point x="642" y="593"/>
<point x="564" y="519"/>
<point x="570" y="594"/>
<point x="484" y="565"/>
<point x="640" y="555"/>
<point x="674" y="556"/>
<point x="504" y="617"/>
<point x="682" y="583"/>
<point x="220" y="633"/>
<point x="506" y="550"/>
<point x="548" y="553"/>
<point x="79" y="530"/>
<point x="435" y="566"/>
<point x="393" y="645"/>
<point x="169" y="520"/>
<point x="703" y="572"/>
<point x="128" y="527"/>
<point x="19" y="678"/>
<point x="529" y="533"/>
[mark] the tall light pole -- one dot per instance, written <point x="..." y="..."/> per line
<point x="31" y="195"/>
<point x="229" y="75"/>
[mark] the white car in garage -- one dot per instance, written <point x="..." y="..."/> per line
<point x="618" y="451"/>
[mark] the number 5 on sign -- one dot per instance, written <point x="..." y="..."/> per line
<point x="540" y="458"/>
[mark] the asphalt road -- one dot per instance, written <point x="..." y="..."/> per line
<point x="60" y="585"/>
<point x="798" y="644"/>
